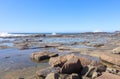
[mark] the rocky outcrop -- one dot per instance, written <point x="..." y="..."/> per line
<point x="116" y="50"/>
<point x="108" y="57"/>
<point x="59" y="61"/>
<point x="39" y="56"/>
<point x="114" y="59"/>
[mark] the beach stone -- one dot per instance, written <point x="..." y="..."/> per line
<point x="72" y="66"/>
<point x="112" y="70"/>
<point x="52" y="76"/>
<point x="95" y="75"/>
<point x="116" y="50"/>
<point x="106" y="75"/>
<point x="44" y="72"/>
<point x="43" y="55"/>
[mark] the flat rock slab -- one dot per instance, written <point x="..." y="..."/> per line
<point x="43" y="55"/>
<point x="115" y="59"/>
<point x="106" y="75"/>
<point x="109" y="57"/>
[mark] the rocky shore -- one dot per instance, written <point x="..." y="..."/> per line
<point x="72" y="56"/>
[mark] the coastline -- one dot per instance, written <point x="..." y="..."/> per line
<point x="18" y="54"/>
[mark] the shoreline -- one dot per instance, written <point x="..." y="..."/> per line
<point x="88" y="44"/>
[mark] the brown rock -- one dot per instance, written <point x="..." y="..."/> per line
<point x="53" y="45"/>
<point x="108" y="57"/>
<point x="106" y="75"/>
<point x="84" y="61"/>
<point x="72" y="66"/>
<point x="57" y="61"/>
<point x="4" y="47"/>
<point x="42" y="55"/>
<point x="116" y="50"/>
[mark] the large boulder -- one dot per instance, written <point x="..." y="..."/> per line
<point x="106" y="75"/>
<point x="57" y="61"/>
<point x="73" y="65"/>
<point x="116" y="50"/>
<point x="60" y="60"/>
<point x="39" y="56"/>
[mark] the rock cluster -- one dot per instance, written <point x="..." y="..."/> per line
<point x="71" y="67"/>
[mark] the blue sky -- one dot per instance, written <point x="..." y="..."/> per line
<point x="59" y="15"/>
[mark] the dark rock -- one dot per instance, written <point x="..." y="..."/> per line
<point x="44" y="72"/>
<point x="74" y="76"/>
<point x="93" y="71"/>
<point x="98" y="45"/>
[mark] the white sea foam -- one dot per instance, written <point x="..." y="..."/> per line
<point x="5" y="34"/>
<point x="53" y="33"/>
